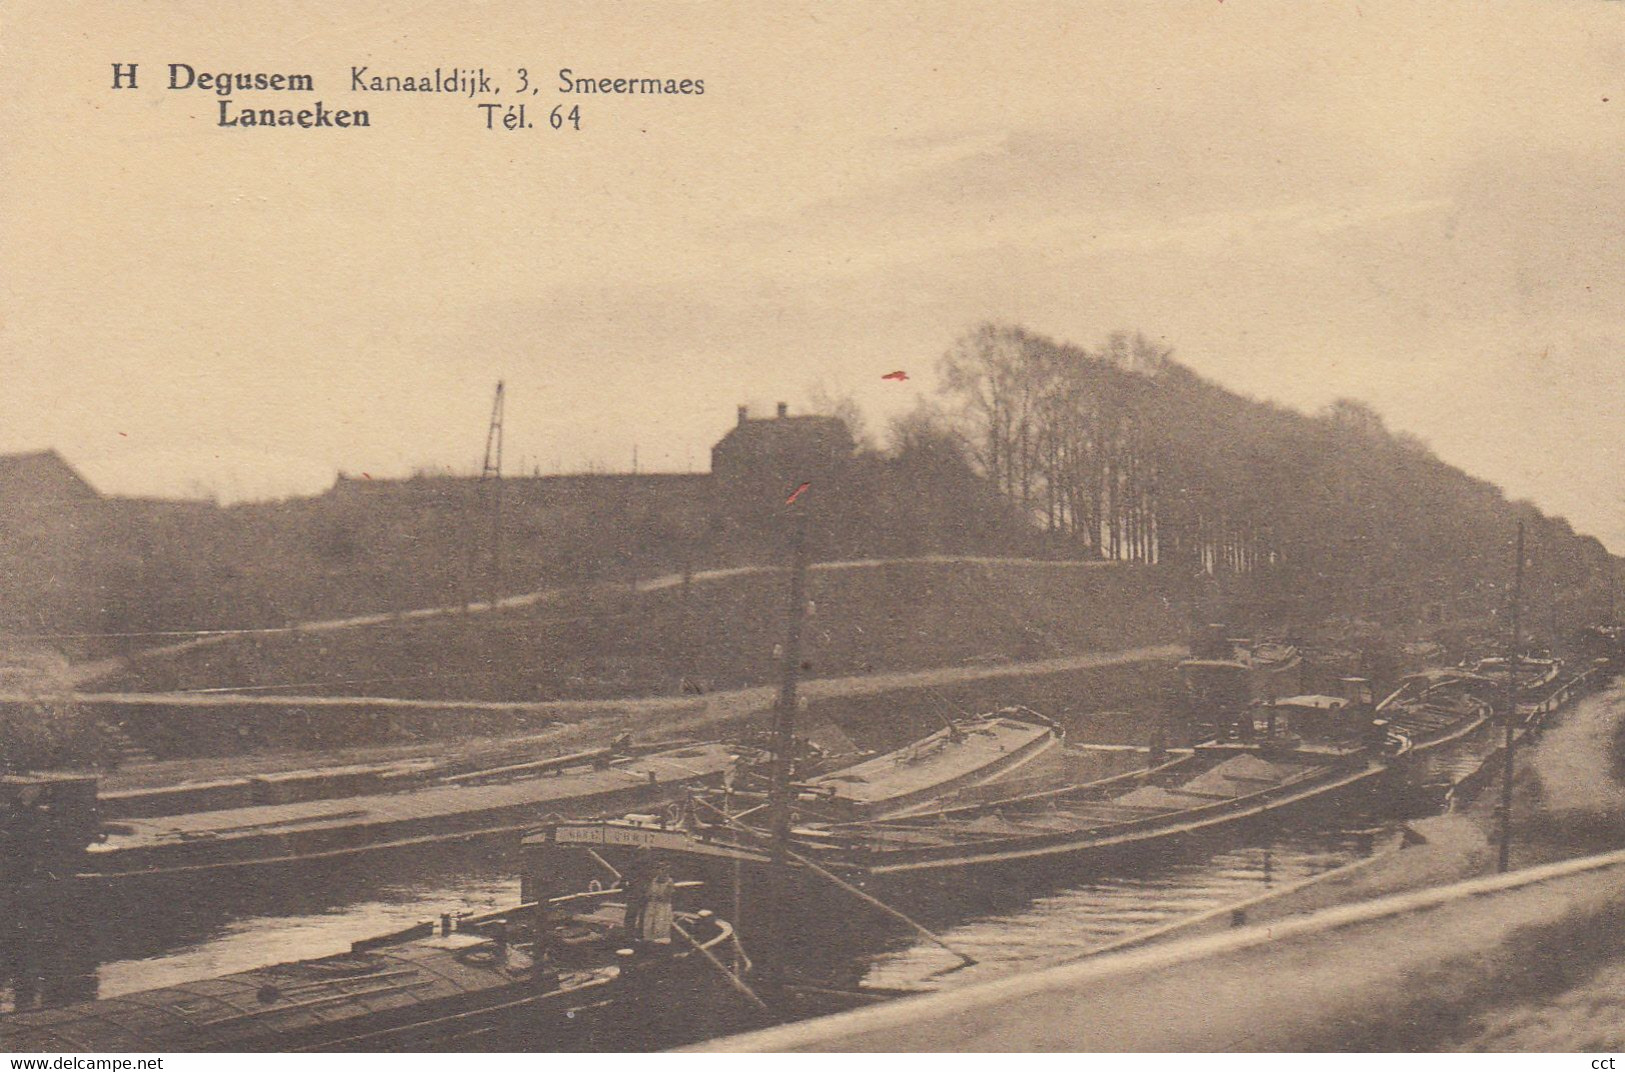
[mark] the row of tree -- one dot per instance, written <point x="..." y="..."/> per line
<point x="1122" y="453"/>
<point x="1089" y="445"/>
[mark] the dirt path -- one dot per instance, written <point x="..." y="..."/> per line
<point x="1567" y="803"/>
<point x="717" y="704"/>
<point x="1582" y="803"/>
<point x="580" y="722"/>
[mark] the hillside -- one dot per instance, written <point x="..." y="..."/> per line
<point x="1122" y="453"/>
<point x="718" y="632"/>
<point x="1275" y="521"/>
<point x="107" y="576"/>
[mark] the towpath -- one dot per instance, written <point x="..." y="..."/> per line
<point x="579" y="721"/>
<point x="88" y="672"/>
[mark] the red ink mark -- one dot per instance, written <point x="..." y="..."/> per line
<point x="367" y="475"/>
<point x="796" y="494"/>
<point x="899" y="376"/>
<point x="126" y="435"/>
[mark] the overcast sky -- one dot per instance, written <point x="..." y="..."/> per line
<point x="1416" y="205"/>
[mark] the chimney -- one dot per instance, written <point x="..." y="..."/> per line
<point x="744" y="414"/>
<point x="784" y="410"/>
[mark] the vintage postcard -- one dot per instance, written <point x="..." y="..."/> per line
<point x="873" y="527"/>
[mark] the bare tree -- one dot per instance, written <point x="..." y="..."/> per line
<point x="839" y="403"/>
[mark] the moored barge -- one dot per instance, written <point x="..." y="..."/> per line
<point x="460" y="810"/>
<point x="533" y="976"/>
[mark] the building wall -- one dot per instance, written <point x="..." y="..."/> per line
<point x="761" y="462"/>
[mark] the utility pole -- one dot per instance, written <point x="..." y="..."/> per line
<point x="491" y="485"/>
<point x="1511" y="712"/>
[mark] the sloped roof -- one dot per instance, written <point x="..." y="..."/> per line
<point x="756" y="432"/>
<point x="42" y="477"/>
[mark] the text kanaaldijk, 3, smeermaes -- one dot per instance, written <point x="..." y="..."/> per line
<point x="458" y="81"/>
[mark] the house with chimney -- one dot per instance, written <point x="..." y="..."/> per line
<point x="761" y="461"/>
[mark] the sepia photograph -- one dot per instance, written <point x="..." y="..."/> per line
<point x="921" y="526"/>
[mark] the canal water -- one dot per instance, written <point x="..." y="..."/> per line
<point x="1040" y="926"/>
<point x="72" y="949"/>
<point x="58" y="948"/>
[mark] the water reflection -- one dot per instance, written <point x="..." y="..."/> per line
<point x="64" y="942"/>
<point x="1070" y="920"/>
<point x="67" y="946"/>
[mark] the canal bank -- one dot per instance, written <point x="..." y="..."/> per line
<point x="1422" y="947"/>
<point x="220" y="750"/>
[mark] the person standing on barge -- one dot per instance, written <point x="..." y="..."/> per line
<point x="657" y="909"/>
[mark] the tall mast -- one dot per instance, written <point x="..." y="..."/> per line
<point x="784" y="715"/>
<point x="491" y="481"/>
<point x="1512" y="711"/>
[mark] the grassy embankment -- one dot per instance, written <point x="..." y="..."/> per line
<point x="614" y="644"/>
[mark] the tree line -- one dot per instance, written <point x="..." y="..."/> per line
<point x="1119" y="452"/>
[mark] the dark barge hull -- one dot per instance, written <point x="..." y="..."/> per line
<point x="242" y="842"/>
<point x="409" y="991"/>
<point x="748" y="885"/>
<point x="746" y="873"/>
